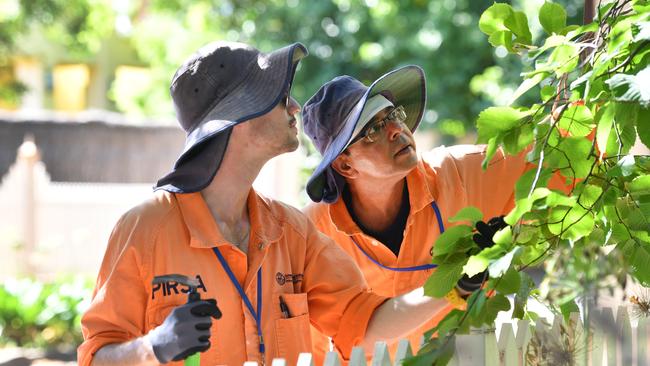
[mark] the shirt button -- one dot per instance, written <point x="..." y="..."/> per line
<point x="260" y="245"/>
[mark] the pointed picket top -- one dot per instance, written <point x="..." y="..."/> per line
<point x="279" y="362"/>
<point x="577" y="332"/>
<point x="624" y="336"/>
<point x="358" y="357"/>
<point x="381" y="357"/>
<point x="403" y="351"/>
<point x="523" y="338"/>
<point x="507" y="346"/>
<point x="643" y="341"/>
<point x="608" y="325"/>
<point x="305" y="359"/>
<point x="597" y="342"/>
<point x="332" y="359"/>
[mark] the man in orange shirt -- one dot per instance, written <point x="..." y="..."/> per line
<point x="272" y="273"/>
<point x="380" y="201"/>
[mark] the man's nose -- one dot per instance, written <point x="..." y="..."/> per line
<point x="293" y="106"/>
<point x="394" y="129"/>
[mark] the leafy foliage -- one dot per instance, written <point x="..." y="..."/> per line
<point x="37" y="314"/>
<point x="584" y="208"/>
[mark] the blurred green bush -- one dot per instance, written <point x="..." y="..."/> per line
<point x="43" y="314"/>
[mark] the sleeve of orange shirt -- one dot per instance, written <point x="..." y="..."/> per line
<point x="119" y="298"/>
<point x="493" y="189"/>
<point x="340" y="303"/>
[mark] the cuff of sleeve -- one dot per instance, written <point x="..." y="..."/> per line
<point x="354" y="321"/>
<point x="89" y="347"/>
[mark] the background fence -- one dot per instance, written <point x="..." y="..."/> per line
<point x="612" y="340"/>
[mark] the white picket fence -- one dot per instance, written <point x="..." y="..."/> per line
<point x="613" y="340"/>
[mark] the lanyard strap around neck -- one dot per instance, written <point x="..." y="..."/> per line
<point x="423" y="267"/>
<point x="257" y="315"/>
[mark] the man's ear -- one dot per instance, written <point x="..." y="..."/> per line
<point x="342" y="166"/>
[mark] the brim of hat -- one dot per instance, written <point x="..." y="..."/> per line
<point x="259" y="92"/>
<point x="408" y="87"/>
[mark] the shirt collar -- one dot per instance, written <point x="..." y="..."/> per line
<point x="421" y="194"/>
<point x="204" y="232"/>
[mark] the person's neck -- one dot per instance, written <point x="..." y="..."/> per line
<point x="377" y="204"/>
<point x="227" y="195"/>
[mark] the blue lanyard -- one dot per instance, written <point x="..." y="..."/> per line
<point x="257" y="315"/>
<point x="407" y="269"/>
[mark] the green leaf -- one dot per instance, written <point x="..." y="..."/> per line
<point x="518" y="24"/>
<point x="494" y="17"/>
<point x="502" y="38"/>
<point x="509" y="283"/>
<point x="476" y="264"/>
<point x="643" y="126"/>
<point x="521" y="298"/>
<point x="446" y="243"/>
<point x="494" y="305"/>
<point x="498" y="119"/>
<point x="589" y="195"/>
<point x="526" y="85"/>
<point x="517" y="139"/>
<point x="572" y="157"/>
<point x="503" y="237"/>
<point x="547" y="92"/>
<point x="567" y="308"/>
<point x="641" y="31"/>
<point x="640" y="185"/>
<point x="571" y="222"/>
<point x="559" y="199"/>
<point x="491" y="149"/>
<point x="564" y="59"/>
<point x="469" y="213"/>
<point x="604" y="120"/>
<point x="622" y="137"/>
<point x="522" y="187"/>
<point x="444" y="278"/>
<point x="577" y="120"/>
<point x="637" y="255"/>
<point x="552" y="17"/>
<point x="632" y="88"/>
<point x="501" y="265"/>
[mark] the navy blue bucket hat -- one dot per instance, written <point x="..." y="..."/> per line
<point x="218" y="87"/>
<point x="333" y="115"/>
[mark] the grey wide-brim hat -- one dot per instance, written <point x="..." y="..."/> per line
<point x="221" y="85"/>
<point x="331" y="115"/>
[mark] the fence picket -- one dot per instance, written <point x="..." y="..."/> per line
<point x="642" y="341"/>
<point x="507" y="346"/>
<point x="381" y="357"/>
<point x="279" y="362"/>
<point x="357" y="357"/>
<point x="597" y="342"/>
<point x="332" y="359"/>
<point x="305" y="359"/>
<point x="608" y="325"/>
<point x="403" y="351"/>
<point x="491" y="347"/>
<point x="522" y="339"/>
<point x="577" y="332"/>
<point x="624" y="337"/>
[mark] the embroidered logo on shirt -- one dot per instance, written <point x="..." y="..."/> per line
<point x="283" y="278"/>
<point x="174" y="288"/>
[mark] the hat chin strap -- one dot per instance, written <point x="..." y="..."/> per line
<point x="373" y="106"/>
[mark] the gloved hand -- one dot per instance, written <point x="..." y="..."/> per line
<point x="483" y="238"/>
<point x="185" y="331"/>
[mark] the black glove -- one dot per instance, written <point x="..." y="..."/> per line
<point x="483" y="238"/>
<point x="185" y="331"/>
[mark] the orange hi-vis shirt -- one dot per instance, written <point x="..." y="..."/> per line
<point x="454" y="179"/>
<point x="175" y="233"/>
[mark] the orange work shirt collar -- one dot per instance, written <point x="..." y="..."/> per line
<point x="203" y="229"/>
<point x="421" y="194"/>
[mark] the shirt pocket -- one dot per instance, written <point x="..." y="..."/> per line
<point x="293" y="334"/>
